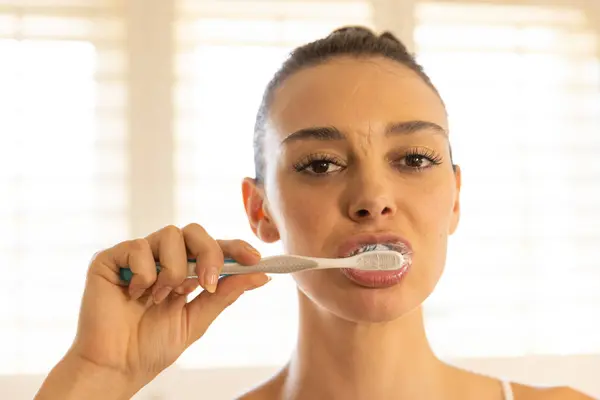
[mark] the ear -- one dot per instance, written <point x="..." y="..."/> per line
<point x="456" y="208"/>
<point x="257" y="211"/>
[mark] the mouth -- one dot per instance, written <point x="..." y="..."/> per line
<point x="376" y="242"/>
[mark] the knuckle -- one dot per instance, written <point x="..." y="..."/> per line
<point x="138" y="245"/>
<point x="96" y="257"/>
<point x="194" y="227"/>
<point x="171" y="231"/>
<point x="146" y="278"/>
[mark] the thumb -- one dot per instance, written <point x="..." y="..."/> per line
<point x="206" y="307"/>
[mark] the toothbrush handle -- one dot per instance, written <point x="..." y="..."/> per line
<point x="269" y="265"/>
<point x="126" y="274"/>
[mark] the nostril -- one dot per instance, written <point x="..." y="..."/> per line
<point x="386" y="211"/>
<point x="362" y="213"/>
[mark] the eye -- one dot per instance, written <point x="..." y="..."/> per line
<point x="319" y="165"/>
<point x="322" y="167"/>
<point x="419" y="159"/>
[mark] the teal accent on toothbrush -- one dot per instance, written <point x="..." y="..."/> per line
<point x="379" y="260"/>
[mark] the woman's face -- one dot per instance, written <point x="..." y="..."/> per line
<point x="357" y="153"/>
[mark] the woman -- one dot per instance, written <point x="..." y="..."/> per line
<point x="351" y="150"/>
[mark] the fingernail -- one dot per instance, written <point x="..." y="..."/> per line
<point x="161" y="294"/>
<point x="211" y="277"/>
<point x="252" y="250"/>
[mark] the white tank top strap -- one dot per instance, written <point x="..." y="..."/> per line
<point x="507" y="389"/>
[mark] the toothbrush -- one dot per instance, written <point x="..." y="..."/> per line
<point x="384" y="260"/>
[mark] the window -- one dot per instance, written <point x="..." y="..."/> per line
<point x="86" y="131"/>
<point x="62" y="169"/>
<point x="227" y="53"/>
<point x="522" y="86"/>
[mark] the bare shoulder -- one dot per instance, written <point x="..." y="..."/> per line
<point x="524" y="392"/>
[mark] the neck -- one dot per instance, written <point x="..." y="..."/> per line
<point x="336" y="358"/>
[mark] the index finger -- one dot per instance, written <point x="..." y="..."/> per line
<point x="137" y="256"/>
<point x="207" y="253"/>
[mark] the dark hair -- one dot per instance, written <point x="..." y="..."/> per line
<point x="353" y="41"/>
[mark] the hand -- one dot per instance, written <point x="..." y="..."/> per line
<point x="140" y="330"/>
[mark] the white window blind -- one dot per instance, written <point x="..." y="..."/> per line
<point x="62" y="167"/>
<point x="522" y="85"/>
<point x="522" y="89"/>
<point x="227" y="53"/>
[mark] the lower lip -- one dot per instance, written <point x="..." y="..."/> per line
<point x="375" y="279"/>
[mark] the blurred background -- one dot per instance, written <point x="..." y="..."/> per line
<point x="118" y="117"/>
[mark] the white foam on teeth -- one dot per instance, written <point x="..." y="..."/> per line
<point x="382" y="247"/>
<point x="378" y="247"/>
<point x="367" y="248"/>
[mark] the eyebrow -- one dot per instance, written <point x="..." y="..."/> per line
<point x="328" y="133"/>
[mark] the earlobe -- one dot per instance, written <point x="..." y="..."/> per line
<point x="267" y="232"/>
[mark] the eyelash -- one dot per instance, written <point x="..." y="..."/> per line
<point x="305" y="163"/>
<point x="427" y="154"/>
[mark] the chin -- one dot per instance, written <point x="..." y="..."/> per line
<point x="331" y="291"/>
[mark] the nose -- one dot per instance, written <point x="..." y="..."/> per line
<point x="371" y="201"/>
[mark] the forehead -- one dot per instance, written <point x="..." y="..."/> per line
<point x="354" y="95"/>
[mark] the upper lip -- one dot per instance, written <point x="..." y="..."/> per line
<point x="356" y="242"/>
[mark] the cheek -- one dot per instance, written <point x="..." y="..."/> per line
<point x="307" y="217"/>
<point x="431" y="216"/>
<point x="432" y="211"/>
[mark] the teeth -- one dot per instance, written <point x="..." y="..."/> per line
<point x="374" y="247"/>
<point x="380" y="247"/>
